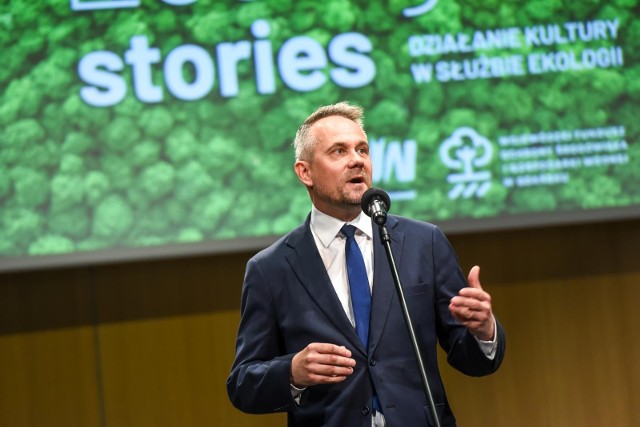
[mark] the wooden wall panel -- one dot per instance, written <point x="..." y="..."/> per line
<point x="49" y="379"/>
<point x="571" y="359"/>
<point x="48" y="373"/>
<point x="566" y="297"/>
<point x="172" y="372"/>
<point x="167" y="339"/>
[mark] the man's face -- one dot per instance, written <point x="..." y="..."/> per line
<point x="340" y="171"/>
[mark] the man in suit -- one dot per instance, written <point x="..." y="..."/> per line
<point x="300" y="347"/>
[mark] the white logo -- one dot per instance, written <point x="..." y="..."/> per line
<point x="412" y="12"/>
<point x="394" y="163"/>
<point x="464" y="151"/>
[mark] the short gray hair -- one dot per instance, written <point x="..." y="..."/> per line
<point x="304" y="141"/>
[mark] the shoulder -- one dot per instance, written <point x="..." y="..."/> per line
<point x="405" y="223"/>
<point x="416" y="231"/>
<point x="284" y="245"/>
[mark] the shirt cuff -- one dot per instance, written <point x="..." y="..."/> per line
<point x="296" y="392"/>
<point x="489" y="347"/>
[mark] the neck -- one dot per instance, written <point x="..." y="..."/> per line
<point x="346" y="214"/>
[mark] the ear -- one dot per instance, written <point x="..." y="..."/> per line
<point x="303" y="170"/>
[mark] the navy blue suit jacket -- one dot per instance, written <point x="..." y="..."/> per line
<point x="289" y="302"/>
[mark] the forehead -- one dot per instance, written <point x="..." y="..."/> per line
<point x="337" y="129"/>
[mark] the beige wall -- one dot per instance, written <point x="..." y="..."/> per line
<point x="150" y="343"/>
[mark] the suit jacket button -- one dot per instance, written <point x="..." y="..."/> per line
<point x="366" y="410"/>
<point x="372" y="362"/>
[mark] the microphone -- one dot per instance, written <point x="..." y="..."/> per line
<point x="375" y="203"/>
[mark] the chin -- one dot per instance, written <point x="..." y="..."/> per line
<point x="360" y="192"/>
<point x="354" y="198"/>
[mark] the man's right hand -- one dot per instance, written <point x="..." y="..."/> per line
<point x="321" y="363"/>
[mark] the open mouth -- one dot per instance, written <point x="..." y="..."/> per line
<point x="356" y="180"/>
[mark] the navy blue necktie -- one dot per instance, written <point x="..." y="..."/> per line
<point x="358" y="284"/>
<point x="360" y="291"/>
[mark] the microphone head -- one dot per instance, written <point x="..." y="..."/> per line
<point x="372" y="194"/>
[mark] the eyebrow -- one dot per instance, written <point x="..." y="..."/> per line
<point x="344" y="144"/>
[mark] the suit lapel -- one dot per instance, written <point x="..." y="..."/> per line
<point x="307" y="265"/>
<point x="383" y="286"/>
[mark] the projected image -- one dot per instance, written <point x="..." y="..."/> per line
<point x="146" y="123"/>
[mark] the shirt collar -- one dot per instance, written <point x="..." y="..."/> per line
<point x="326" y="227"/>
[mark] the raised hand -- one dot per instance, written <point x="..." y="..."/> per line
<point x="472" y="308"/>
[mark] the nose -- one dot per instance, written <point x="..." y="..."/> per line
<point x="355" y="159"/>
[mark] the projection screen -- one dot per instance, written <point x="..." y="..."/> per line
<point x="154" y="128"/>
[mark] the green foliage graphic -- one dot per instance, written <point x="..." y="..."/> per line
<point x="79" y="177"/>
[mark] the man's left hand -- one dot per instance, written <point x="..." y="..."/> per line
<point x="472" y="308"/>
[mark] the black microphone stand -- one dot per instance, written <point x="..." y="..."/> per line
<point x="386" y="241"/>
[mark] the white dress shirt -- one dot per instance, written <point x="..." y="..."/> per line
<point x="331" y="245"/>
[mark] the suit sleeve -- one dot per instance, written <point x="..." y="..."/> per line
<point x="463" y="351"/>
<point x="260" y="375"/>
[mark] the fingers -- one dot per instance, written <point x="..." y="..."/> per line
<point x="321" y="363"/>
<point x="478" y="319"/>
<point x="474" y="277"/>
<point x="470" y="308"/>
<point x="325" y="348"/>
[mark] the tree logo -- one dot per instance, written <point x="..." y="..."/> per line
<point x="466" y="151"/>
